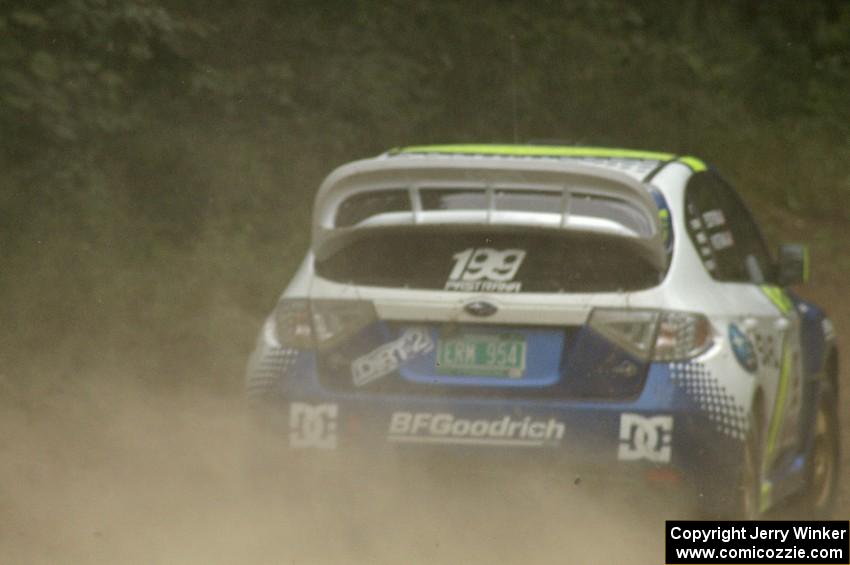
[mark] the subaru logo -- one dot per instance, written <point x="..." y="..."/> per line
<point x="743" y="348"/>
<point x="481" y="308"/>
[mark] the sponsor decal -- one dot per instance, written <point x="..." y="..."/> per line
<point x="713" y="218"/>
<point x="313" y="425"/>
<point x="484" y="269"/>
<point x="743" y="348"/>
<point x="645" y="437"/>
<point x="390" y="356"/>
<point x="722" y="240"/>
<point x="434" y="427"/>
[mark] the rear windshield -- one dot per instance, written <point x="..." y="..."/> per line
<point x="443" y="258"/>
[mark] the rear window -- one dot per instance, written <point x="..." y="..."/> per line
<point x="487" y="260"/>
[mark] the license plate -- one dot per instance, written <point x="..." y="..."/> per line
<point x="491" y="355"/>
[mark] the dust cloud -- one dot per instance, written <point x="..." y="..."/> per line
<point x="112" y="472"/>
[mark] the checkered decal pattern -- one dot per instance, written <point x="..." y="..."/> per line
<point x="269" y="370"/>
<point x="767" y="351"/>
<point x="728" y="417"/>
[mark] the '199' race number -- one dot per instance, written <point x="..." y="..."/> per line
<point x="486" y="269"/>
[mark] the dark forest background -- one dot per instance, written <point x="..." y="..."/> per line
<point x="159" y="158"/>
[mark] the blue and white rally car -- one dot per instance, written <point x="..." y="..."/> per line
<point x="609" y="309"/>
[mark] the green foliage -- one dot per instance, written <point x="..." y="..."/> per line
<point x="75" y="70"/>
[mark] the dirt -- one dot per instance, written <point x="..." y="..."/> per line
<point x="109" y="473"/>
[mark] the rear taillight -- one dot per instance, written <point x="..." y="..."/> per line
<point x="681" y="335"/>
<point x="292" y="323"/>
<point x="633" y="330"/>
<point x="308" y="324"/>
<point x="336" y="320"/>
<point x="654" y="334"/>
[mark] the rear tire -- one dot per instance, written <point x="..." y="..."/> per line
<point x="822" y="471"/>
<point x="742" y="499"/>
<point x="747" y="501"/>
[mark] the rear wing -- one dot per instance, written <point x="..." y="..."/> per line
<point x="410" y="181"/>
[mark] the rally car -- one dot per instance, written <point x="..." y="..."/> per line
<point x="613" y="310"/>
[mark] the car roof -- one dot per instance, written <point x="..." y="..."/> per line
<point x="637" y="164"/>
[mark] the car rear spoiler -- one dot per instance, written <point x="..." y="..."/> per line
<point x="414" y="173"/>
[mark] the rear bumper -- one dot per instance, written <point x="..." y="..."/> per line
<point x="663" y="435"/>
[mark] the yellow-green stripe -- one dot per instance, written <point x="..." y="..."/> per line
<point x="698" y="165"/>
<point x="779" y="405"/>
<point x="765" y="493"/>
<point x="779" y="298"/>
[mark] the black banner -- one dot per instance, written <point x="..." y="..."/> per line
<point x="762" y="542"/>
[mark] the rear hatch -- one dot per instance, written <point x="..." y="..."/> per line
<point x="466" y="276"/>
